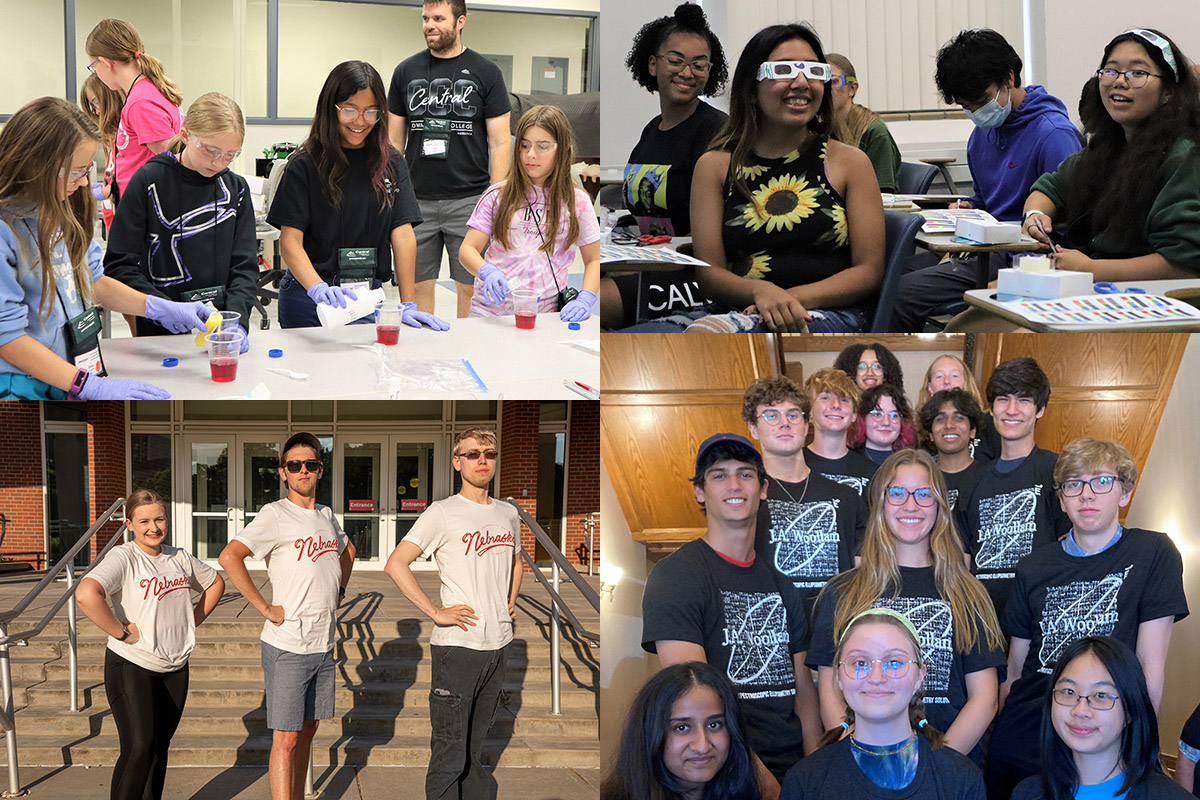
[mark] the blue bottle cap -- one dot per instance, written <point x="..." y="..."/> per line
<point x="170" y="362"/>
<point x="572" y="326"/>
<point x="275" y="353"/>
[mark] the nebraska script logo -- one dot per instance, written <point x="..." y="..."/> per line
<point x="162" y="586"/>
<point x="315" y="548"/>
<point x="482" y="541"/>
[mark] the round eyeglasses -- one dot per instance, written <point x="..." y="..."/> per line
<point x="773" y="417"/>
<point x="860" y="668"/>
<point x="876" y="367"/>
<point x="350" y="113"/>
<point x="1097" y="701"/>
<point x="878" y="414"/>
<point x="1101" y="484"/>
<point x="1136" y="78"/>
<point x="898" y="496"/>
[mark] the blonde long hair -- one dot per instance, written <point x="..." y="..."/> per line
<point x="560" y="192"/>
<point x="36" y="143"/>
<point x="969" y="384"/>
<point x="210" y="114"/>
<point x="859" y="117"/>
<point x="110" y="103"/>
<point x="878" y="573"/>
<point x="117" y="40"/>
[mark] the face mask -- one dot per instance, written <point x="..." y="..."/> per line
<point x="991" y="115"/>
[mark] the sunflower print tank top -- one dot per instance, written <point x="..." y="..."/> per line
<point x="794" y="232"/>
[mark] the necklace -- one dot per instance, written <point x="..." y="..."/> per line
<point x="789" y="494"/>
<point x="901" y="749"/>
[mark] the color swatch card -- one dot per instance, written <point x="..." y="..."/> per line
<point x="943" y="220"/>
<point x="610" y="253"/>
<point x="1105" y="310"/>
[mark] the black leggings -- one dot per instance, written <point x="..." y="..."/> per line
<point x="146" y="706"/>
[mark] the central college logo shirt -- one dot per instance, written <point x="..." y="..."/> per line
<point x="302" y="550"/>
<point x="473" y="546"/>
<point x="155" y="593"/>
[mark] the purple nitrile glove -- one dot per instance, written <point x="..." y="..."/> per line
<point x="98" y="388"/>
<point x="495" y="285"/>
<point x="176" y="317"/>
<point x="335" y="296"/>
<point x="245" y="338"/>
<point x="410" y="316"/>
<point x="98" y="191"/>
<point x="578" y="309"/>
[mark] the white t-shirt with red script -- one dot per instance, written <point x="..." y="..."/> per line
<point x="155" y="593"/>
<point x="302" y="549"/>
<point x="473" y="546"/>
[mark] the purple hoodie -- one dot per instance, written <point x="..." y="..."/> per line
<point x="1005" y="161"/>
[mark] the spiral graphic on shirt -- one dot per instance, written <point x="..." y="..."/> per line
<point x="756" y="633"/>
<point x="1076" y="610"/>
<point x="855" y="482"/>
<point x="1007" y="523"/>
<point x="804" y="537"/>
<point x="934" y="621"/>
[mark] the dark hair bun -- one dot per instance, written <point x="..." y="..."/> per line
<point x="690" y="15"/>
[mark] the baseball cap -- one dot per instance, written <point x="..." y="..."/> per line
<point x="752" y="456"/>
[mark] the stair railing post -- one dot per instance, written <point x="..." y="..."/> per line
<point x="309" y="790"/>
<point x="10" y="736"/>
<point x="555" y="687"/>
<point x="72" y="642"/>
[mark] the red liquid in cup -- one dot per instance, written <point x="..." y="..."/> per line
<point x="387" y="334"/>
<point x="526" y="321"/>
<point x="224" y="370"/>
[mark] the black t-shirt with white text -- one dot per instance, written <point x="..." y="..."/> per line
<point x="750" y="623"/>
<point x="467" y="90"/>
<point x="853" y="469"/>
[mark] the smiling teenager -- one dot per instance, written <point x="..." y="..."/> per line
<point x="949" y="372"/>
<point x="884" y="423"/>
<point x="952" y="417"/>
<point x="834" y="399"/>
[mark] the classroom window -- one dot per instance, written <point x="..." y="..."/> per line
<point x="33" y="54"/>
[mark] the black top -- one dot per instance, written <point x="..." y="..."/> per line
<point x="469" y="90"/>
<point x="959" y="485"/>
<point x="832" y="772"/>
<point x="810" y="531"/>
<point x="750" y="623"/>
<point x="361" y="221"/>
<point x="853" y="469"/>
<point x="1008" y="516"/>
<point x="176" y="231"/>
<point x="658" y="177"/>
<point x="1191" y="737"/>
<point x="1155" y="786"/>
<point x="986" y="444"/>
<point x="945" y="685"/>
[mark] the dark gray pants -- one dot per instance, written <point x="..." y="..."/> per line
<point x="465" y="691"/>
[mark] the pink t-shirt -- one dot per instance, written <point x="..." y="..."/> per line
<point x="524" y="265"/>
<point x="146" y="117"/>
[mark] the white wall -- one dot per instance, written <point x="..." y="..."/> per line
<point x="1164" y="501"/>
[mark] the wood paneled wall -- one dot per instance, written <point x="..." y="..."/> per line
<point x="663" y="395"/>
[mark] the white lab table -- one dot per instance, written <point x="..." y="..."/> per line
<point x="514" y="364"/>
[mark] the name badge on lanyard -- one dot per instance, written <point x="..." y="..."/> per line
<point x="356" y="267"/>
<point x="209" y="294"/>
<point x="83" y="342"/>
<point x="436" y="140"/>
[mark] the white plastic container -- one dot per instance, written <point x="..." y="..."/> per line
<point x="1049" y="285"/>
<point x="363" y="306"/>
<point x="987" y="231"/>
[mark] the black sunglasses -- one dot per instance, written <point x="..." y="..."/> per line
<point x="473" y="455"/>
<point x="312" y="465"/>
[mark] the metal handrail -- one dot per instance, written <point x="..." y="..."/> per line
<point x="67" y="563"/>
<point x="558" y="561"/>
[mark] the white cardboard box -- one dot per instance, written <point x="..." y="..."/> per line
<point x="1044" y="285"/>
<point x="987" y="231"/>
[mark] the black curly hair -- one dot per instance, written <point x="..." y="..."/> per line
<point x="688" y="18"/>
<point x="847" y="362"/>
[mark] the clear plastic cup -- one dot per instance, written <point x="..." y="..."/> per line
<point x="224" y="347"/>
<point x="230" y="320"/>
<point x="525" y="306"/>
<point x="387" y="323"/>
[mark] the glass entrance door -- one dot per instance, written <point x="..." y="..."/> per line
<point x="231" y="477"/>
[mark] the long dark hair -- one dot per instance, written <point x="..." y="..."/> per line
<point x="639" y="772"/>
<point x="688" y="18"/>
<point x="741" y="130"/>
<point x="1139" y="738"/>
<point x="324" y="142"/>
<point x="1115" y="182"/>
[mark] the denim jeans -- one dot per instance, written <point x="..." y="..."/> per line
<point x="297" y="309"/>
<point x="462" y="705"/>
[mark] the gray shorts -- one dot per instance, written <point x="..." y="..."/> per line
<point x="299" y="687"/>
<point x="444" y="224"/>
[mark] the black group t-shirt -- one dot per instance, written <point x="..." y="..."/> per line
<point x="466" y="90"/>
<point x="832" y="771"/>
<point x="1059" y="598"/>
<point x="658" y="177"/>
<point x="1007" y="516"/>
<point x="1155" y="786"/>
<point x="986" y="444"/>
<point x="945" y="687"/>
<point x="1191" y="737"/>
<point x="853" y="469"/>
<point x="750" y="623"/>
<point x="360" y="221"/>
<point x="960" y="484"/>
<point x="810" y="531"/>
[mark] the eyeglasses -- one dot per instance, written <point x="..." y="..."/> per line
<point x="772" y="417"/>
<point x="350" y="113"/>
<point x="1097" y="701"/>
<point x="75" y="175"/>
<point x="92" y="67"/>
<point x="1101" y="484"/>
<point x="878" y="415"/>
<point x="860" y="668"/>
<point x="215" y="154"/>
<point x="700" y="66"/>
<point x="876" y="367"/>
<point x="898" y="496"/>
<point x="541" y="147"/>
<point x="838" y="81"/>
<point x="473" y="455"/>
<point x="787" y="70"/>
<point x="311" y="464"/>
<point x="1136" y="78"/>
<point x="94" y="106"/>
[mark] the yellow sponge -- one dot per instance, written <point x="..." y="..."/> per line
<point x="212" y="323"/>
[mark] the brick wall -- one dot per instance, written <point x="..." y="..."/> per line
<point x="106" y="464"/>
<point x="583" y="479"/>
<point x="519" y="455"/>
<point x="21" y="497"/>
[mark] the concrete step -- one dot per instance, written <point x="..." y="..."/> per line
<point x="254" y="750"/>
<point x="361" y="721"/>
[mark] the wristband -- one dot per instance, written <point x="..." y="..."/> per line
<point x="341" y="591"/>
<point x="1030" y="213"/>
<point x="81" y="376"/>
<point x="124" y="633"/>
